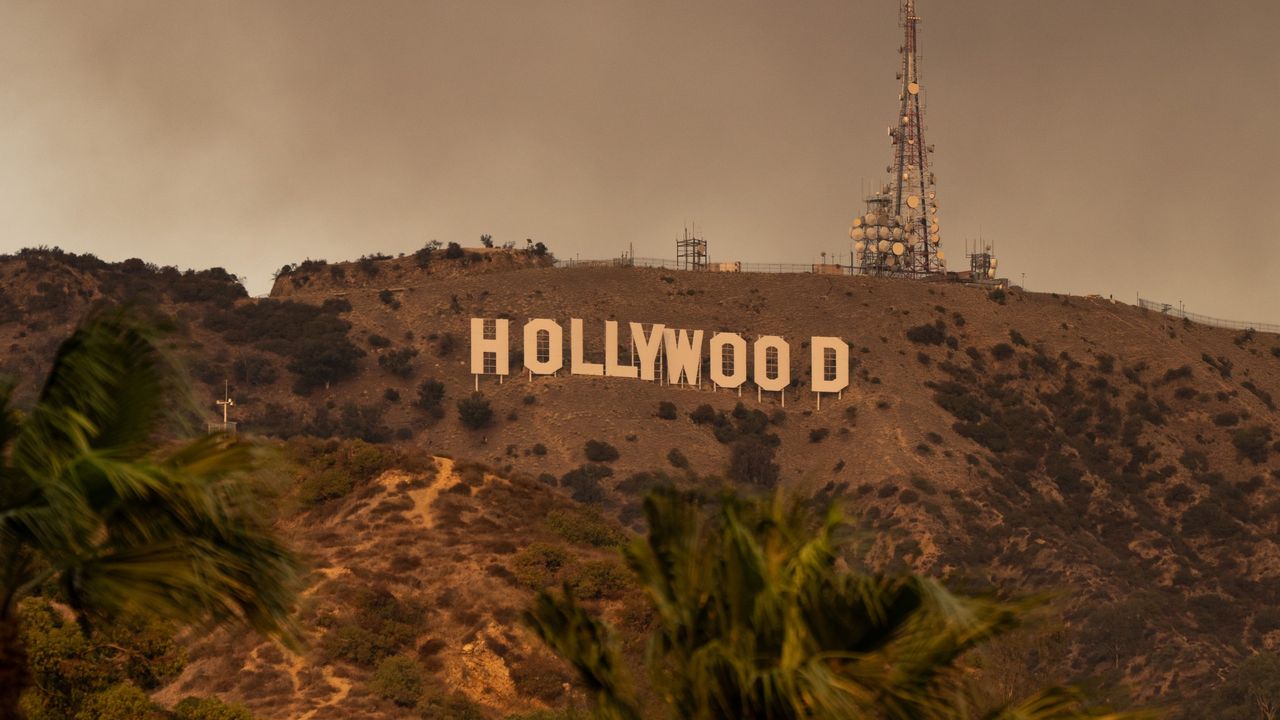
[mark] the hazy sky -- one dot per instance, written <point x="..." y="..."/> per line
<point x="1106" y="146"/>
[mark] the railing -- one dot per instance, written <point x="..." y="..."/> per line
<point x="662" y="264"/>
<point x="1173" y="311"/>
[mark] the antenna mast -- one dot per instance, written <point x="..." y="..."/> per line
<point x="899" y="234"/>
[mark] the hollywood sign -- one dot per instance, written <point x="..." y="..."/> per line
<point x="661" y="354"/>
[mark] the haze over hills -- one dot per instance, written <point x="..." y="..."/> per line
<point x="1036" y="441"/>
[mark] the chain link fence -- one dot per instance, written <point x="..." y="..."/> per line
<point x="1174" y="311"/>
<point x="662" y="264"/>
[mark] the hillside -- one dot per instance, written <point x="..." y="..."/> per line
<point x="1036" y="441"/>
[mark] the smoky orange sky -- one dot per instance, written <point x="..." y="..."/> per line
<point x="1109" y="146"/>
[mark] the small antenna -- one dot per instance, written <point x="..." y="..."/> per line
<point x="226" y="402"/>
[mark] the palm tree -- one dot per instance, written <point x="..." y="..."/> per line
<point x="756" y="617"/>
<point x="102" y="507"/>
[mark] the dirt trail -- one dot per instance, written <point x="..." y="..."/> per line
<point x="423" y="497"/>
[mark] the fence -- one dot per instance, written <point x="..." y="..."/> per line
<point x="662" y="264"/>
<point x="1178" y="312"/>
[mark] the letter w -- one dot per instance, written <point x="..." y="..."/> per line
<point x="684" y="355"/>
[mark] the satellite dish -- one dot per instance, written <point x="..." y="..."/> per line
<point x="994" y="263"/>
<point x="856" y="234"/>
<point x="942" y="257"/>
<point x="933" y="195"/>
<point x="885" y="232"/>
<point x="857" y="222"/>
<point x="906" y="120"/>
<point x="935" y="238"/>
<point x="899" y="248"/>
<point x="913" y="88"/>
<point x="859" y="246"/>
<point x="935" y="227"/>
<point x="892" y="261"/>
<point x="869" y="218"/>
<point x="913" y="201"/>
<point x="884" y="246"/>
<point x="898" y="233"/>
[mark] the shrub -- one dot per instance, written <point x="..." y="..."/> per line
<point x="597" y="579"/>
<point x="1016" y="338"/>
<point x="600" y="451"/>
<point x="210" y="708"/>
<point x="1226" y="419"/>
<point x="453" y="251"/>
<point x="703" y="414"/>
<point x="582" y="526"/>
<point x="667" y="410"/>
<point x="378" y="341"/>
<point x="584" y="482"/>
<point x="399" y="680"/>
<point x="752" y="462"/>
<point x="1002" y="351"/>
<point x="324" y="485"/>
<point x="997" y="296"/>
<point x="927" y="334"/>
<point x="254" y="370"/>
<point x="677" y="459"/>
<point x="539" y="564"/>
<point x="398" y="362"/>
<point x="538" y="449"/>
<point x="123" y="701"/>
<point x="391" y="395"/>
<point x="475" y="412"/>
<point x="817" y="435"/>
<point x="431" y="398"/>
<point x="1253" y="443"/>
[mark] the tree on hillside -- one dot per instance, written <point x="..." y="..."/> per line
<point x="1251" y="691"/>
<point x="102" y="514"/>
<point x="755" y="617"/>
<point x="486" y="240"/>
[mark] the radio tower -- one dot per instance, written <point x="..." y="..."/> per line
<point x="899" y="234"/>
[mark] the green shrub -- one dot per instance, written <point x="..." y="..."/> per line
<point x="582" y="526"/>
<point x="539" y="565"/>
<point x="378" y="341"/>
<point x="210" y="708"/>
<point x="817" y="435"/>
<point x="124" y="701"/>
<point x="600" y="451"/>
<point x="597" y="579"/>
<point x="475" y="412"/>
<point x="398" y="679"/>
<point x="323" y="485"/>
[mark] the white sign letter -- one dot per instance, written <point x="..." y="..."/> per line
<point x="538" y="362"/>
<point x="683" y="355"/>
<point x="728" y="352"/>
<point x="647" y="348"/>
<point x="577" y="365"/>
<point x="778" y="361"/>
<point x="480" y="345"/>
<point x="838" y="379"/>
<point x="611" y="366"/>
